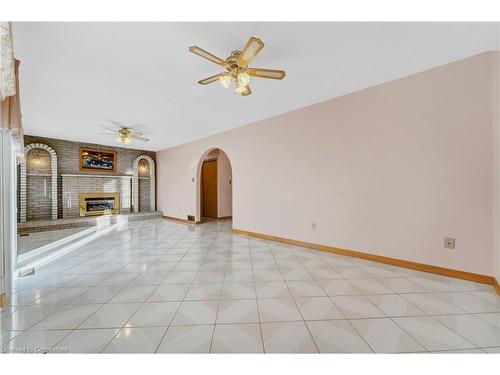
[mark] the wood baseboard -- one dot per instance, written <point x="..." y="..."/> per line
<point x="497" y="286"/>
<point x="224" y="217"/>
<point x="179" y="220"/>
<point x="2" y="300"/>
<point x="484" y="279"/>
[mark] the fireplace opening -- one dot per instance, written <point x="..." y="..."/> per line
<point x="104" y="204"/>
<point x="99" y="204"/>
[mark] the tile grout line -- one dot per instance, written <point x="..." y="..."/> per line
<point x="341" y="312"/>
<point x="298" y="309"/>
<point x="180" y="303"/>
<point x="257" y="301"/>
<point x="220" y="298"/>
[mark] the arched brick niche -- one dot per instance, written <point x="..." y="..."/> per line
<point x="23" y="195"/>
<point x="135" y="182"/>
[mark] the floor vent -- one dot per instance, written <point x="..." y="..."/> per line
<point x="27" y="272"/>
<point x="190" y="217"/>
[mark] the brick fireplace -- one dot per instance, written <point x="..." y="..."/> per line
<point x="51" y="182"/>
<point x="74" y="185"/>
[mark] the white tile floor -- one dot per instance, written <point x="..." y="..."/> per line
<point x="159" y="286"/>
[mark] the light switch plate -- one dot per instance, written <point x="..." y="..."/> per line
<point x="449" y="243"/>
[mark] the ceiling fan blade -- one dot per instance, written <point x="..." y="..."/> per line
<point x="137" y="133"/>
<point x="252" y="48"/>
<point x="266" y="73"/>
<point x="211" y="79"/>
<point x="120" y="125"/>
<point x="207" y="55"/>
<point x="107" y="133"/>
<point x="110" y="129"/>
<point x="247" y="91"/>
<point x="139" y="138"/>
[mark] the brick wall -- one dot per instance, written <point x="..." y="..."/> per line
<point x="38" y="197"/>
<point x="38" y="186"/>
<point x="74" y="186"/>
<point x="68" y="162"/>
<point x="144" y="192"/>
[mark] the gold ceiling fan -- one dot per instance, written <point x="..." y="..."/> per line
<point x="237" y="70"/>
<point x="125" y="134"/>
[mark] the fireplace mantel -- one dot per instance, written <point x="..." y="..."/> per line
<point x="95" y="175"/>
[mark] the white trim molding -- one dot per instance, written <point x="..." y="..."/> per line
<point x="22" y="180"/>
<point x="135" y="183"/>
<point x="9" y="146"/>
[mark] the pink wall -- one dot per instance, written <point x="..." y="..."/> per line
<point x="224" y="176"/>
<point x="390" y="170"/>
<point x="496" y="163"/>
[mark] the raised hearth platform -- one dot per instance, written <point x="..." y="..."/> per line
<point x="46" y="225"/>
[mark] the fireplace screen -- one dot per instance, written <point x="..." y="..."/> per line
<point x="103" y="204"/>
<point x="99" y="204"/>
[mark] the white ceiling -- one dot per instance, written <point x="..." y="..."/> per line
<point x="75" y="77"/>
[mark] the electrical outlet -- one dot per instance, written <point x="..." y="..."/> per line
<point x="449" y="243"/>
<point x="313" y="225"/>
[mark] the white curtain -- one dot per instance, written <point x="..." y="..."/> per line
<point x="10" y="106"/>
<point x="7" y="63"/>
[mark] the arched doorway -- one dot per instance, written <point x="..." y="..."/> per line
<point x="214" y="189"/>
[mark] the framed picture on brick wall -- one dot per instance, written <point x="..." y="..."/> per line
<point x="97" y="160"/>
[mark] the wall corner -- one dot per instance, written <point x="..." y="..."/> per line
<point x="495" y="59"/>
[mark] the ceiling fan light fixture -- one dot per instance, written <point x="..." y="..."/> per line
<point x="243" y="78"/>
<point x="123" y="139"/>
<point x="240" y="89"/>
<point x="226" y="80"/>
